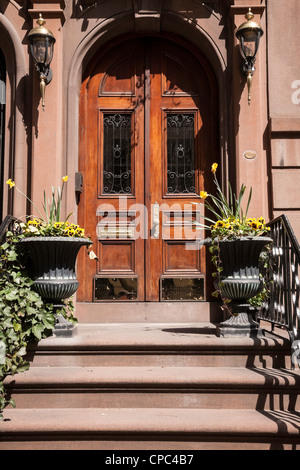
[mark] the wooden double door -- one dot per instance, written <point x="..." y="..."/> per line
<point x="148" y="136"/>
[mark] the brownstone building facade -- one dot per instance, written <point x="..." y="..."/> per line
<point x="148" y="64"/>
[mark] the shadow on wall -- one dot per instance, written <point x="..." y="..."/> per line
<point x="89" y="9"/>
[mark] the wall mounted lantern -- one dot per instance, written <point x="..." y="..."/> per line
<point x="249" y="34"/>
<point x="41" y="47"/>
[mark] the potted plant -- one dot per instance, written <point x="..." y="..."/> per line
<point x="52" y="246"/>
<point x="24" y="316"/>
<point x="237" y="245"/>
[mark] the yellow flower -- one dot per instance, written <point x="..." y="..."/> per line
<point x="65" y="178"/>
<point x="10" y="183"/>
<point x="219" y="223"/>
<point x="214" y="167"/>
<point x="203" y="194"/>
<point x="71" y="232"/>
<point x="79" y="231"/>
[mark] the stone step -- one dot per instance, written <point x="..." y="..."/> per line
<point x="159" y="344"/>
<point x="151" y="428"/>
<point x="159" y="387"/>
<point x="149" y="312"/>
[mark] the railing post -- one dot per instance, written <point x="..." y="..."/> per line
<point x="283" y="305"/>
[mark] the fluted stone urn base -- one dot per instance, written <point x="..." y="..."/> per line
<point x="240" y="324"/>
<point x="63" y="326"/>
<point x="240" y="280"/>
<point x="52" y="268"/>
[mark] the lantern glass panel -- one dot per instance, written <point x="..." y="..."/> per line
<point x="249" y="43"/>
<point x="42" y="50"/>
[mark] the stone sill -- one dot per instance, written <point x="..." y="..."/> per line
<point x="285" y="124"/>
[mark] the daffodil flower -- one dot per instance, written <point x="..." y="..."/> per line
<point x="203" y="194"/>
<point x="65" y="178"/>
<point x="10" y="183"/>
<point x="214" y="167"/>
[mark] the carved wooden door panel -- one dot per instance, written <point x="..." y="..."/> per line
<point x="146" y="145"/>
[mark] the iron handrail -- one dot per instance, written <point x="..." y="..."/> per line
<point x="7" y="224"/>
<point x="282" y="306"/>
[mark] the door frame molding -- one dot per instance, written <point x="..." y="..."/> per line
<point x="91" y="86"/>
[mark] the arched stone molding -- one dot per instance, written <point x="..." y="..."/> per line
<point x="124" y="23"/>
<point x="15" y="151"/>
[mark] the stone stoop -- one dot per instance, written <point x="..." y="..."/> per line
<point x="155" y="385"/>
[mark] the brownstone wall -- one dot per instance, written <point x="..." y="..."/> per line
<point x="284" y="108"/>
<point x="42" y="146"/>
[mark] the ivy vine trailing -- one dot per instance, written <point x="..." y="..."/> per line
<point x="24" y="317"/>
<point x="228" y="221"/>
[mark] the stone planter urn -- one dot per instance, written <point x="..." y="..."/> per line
<point x="52" y="268"/>
<point x="239" y="281"/>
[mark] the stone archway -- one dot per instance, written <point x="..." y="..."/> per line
<point x="131" y="22"/>
<point x="16" y="163"/>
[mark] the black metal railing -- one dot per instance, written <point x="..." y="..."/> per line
<point x="7" y="224"/>
<point x="283" y="280"/>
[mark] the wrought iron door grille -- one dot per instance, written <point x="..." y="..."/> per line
<point x="180" y="154"/>
<point x="117" y="154"/>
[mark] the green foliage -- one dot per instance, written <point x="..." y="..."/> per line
<point x="51" y="206"/>
<point x="226" y="215"/>
<point x="236" y="228"/>
<point x="23" y="315"/>
<point x="223" y="208"/>
<point x="259" y="300"/>
<point x="38" y="228"/>
<point x="229" y="221"/>
<point x="52" y="211"/>
<point x="265" y="263"/>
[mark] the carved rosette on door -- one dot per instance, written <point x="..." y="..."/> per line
<point x="148" y="140"/>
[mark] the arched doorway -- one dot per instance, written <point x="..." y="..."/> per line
<point x="148" y="136"/>
<point x="2" y="126"/>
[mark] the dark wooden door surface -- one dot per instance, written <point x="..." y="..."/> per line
<point x="147" y="141"/>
